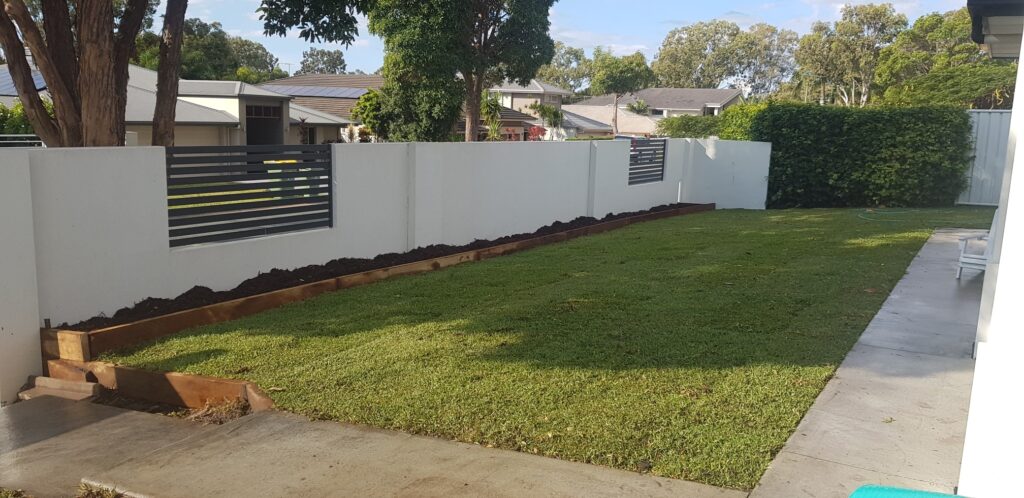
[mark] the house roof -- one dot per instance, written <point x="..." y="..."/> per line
<point x="514" y="115"/>
<point x="141" y="101"/>
<point x="336" y="92"/>
<point x="689" y="99"/>
<point x="629" y="123"/>
<point x="146" y="78"/>
<point x="331" y="80"/>
<point x="535" y="86"/>
<point x="341" y="108"/>
<point x="583" y="123"/>
<point x="299" y="113"/>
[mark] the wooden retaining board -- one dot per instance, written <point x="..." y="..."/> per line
<point x="170" y="388"/>
<point x="84" y="346"/>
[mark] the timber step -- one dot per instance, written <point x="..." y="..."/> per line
<point x="60" y="388"/>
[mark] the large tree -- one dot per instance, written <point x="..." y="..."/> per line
<point x="701" y="55"/>
<point x="431" y="43"/>
<point x="935" y="42"/>
<point x="82" y="50"/>
<point x="844" y="57"/>
<point x="978" y="85"/>
<point x="569" y="68"/>
<point x="322" y="61"/>
<point x="763" y="59"/>
<point x="619" y="76"/>
<point x="252" y="55"/>
<point x="210" y="53"/>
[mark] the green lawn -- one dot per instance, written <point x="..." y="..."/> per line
<point x="691" y="346"/>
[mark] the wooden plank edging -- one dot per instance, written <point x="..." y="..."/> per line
<point x="170" y="388"/>
<point x="84" y="346"/>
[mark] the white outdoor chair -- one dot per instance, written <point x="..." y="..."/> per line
<point x="973" y="260"/>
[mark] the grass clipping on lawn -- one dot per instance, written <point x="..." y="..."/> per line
<point x="689" y="347"/>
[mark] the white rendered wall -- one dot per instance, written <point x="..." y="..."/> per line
<point x="19" y="311"/>
<point x="487" y="190"/>
<point x="100" y="216"/>
<point x="612" y="192"/>
<point x="732" y="174"/>
<point x="101" y="229"/>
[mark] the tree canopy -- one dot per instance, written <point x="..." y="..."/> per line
<point x="322" y="61"/>
<point x="569" y="68"/>
<point x="210" y="53"/>
<point x="843" y="57"/>
<point x="697" y="56"/>
<point x="619" y="76"/>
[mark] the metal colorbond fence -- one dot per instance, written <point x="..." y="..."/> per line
<point x="222" y="193"/>
<point x="647" y="160"/>
<point x="991" y="131"/>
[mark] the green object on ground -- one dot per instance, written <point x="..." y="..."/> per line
<point x="689" y="347"/>
<point x="887" y="492"/>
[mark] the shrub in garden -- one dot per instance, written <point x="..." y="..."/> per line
<point x="826" y="156"/>
<point x="685" y="126"/>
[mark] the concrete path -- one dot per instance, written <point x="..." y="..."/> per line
<point x="50" y="445"/>
<point x="896" y="411"/>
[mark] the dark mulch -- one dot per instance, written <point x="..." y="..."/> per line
<point x="277" y="279"/>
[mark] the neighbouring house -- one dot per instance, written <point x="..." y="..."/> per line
<point x="334" y="94"/>
<point x="629" y="123"/>
<point x="337" y="94"/>
<point x="213" y="112"/>
<point x="521" y="97"/>
<point x="578" y="126"/>
<point x="666" y="102"/>
<point x="515" y="126"/>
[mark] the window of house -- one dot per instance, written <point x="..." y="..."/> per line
<point x="552" y="99"/>
<point x="308" y="135"/>
<point x="263" y="111"/>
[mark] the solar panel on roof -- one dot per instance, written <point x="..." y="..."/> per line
<point x="7" y="87"/>
<point x="317" y="91"/>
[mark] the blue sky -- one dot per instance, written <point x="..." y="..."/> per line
<point x="624" y="26"/>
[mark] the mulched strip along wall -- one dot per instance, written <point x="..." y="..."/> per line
<point x="277" y="279"/>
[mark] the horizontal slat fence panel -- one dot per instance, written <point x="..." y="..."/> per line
<point x="647" y="160"/>
<point x="217" y="194"/>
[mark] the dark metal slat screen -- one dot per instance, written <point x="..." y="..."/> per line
<point x="222" y="193"/>
<point x="647" y="160"/>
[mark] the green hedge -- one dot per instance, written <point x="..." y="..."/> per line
<point x="685" y="126"/>
<point x="827" y="156"/>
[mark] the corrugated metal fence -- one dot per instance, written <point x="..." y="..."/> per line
<point x="985" y="176"/>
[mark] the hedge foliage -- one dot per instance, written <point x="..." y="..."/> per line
<point x="827" y="156"/>
<point x="685" y="126"/>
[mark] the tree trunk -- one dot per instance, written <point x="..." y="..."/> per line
<point x="474" y="89"/>
<point x="96" y="78"/>
<point x="44" y="126"/>
<point x="66" y="109"/>
<point x="615" y="115"/>
<point x="168" y="73"/>
<point x="124" y="45"/>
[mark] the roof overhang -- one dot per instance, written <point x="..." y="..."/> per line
<point x="998" y="25"/>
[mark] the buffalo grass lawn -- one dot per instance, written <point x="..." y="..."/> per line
<point x="689" y="347"/>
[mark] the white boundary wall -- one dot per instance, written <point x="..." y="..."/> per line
<point x="85" y="230"/>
